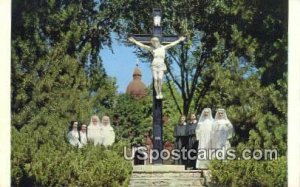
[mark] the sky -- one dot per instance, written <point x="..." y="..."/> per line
<point x="121" y="63"/>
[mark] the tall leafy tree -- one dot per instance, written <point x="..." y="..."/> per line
<point x="133" y="118"/>
<point x="57" y="76"/>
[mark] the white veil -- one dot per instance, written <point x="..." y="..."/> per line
<point x="225" y="120"/>
<point x="202" y="117"/>
<point x="94" y="117"/>
<point x="218" y="112"/>
<point x="93" y="131"/>
<point x="107" y="132"/>
<point x="204" y="132"/>
<point x="223" y="129"/>
<point x="204" y="125"/>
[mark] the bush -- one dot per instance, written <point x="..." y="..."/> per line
<point x="38" y="162"/>
<point x="250" y="173"/>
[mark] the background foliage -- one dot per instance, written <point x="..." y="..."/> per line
<point x="235" y="57"/>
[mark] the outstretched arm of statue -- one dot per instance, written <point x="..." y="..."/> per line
<point x="132" y="40"/>
<point x="181" y="39"/>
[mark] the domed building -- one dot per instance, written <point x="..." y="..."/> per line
<point x="136" y="88"/>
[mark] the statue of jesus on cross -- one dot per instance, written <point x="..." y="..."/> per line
<point x="158" y="65"/>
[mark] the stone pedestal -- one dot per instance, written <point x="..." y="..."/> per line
<point x="164" y="176"/>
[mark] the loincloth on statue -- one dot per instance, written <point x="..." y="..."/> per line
<point x="158" y="66"/>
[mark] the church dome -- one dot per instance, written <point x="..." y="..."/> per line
<point x="136" y="88"/>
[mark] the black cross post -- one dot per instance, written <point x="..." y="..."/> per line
<point x="157" y="103"/>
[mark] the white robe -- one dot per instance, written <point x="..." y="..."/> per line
<point x="94" y="133"/>
<point x="73" y="138"/>
<point x="107" y="135"/>
<point x="223" y="131"/>
<point x="204" y="136"/>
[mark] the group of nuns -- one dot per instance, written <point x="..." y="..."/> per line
<point x="99" y="133"/>
<point x="204" y="134"/>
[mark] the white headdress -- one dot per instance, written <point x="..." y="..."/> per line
<point x="218" y="113"/>
<point x="202" y="117"/>
<point x="95" y="117"/>
<point x="105" y="118"/>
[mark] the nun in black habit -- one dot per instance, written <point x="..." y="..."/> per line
<point x="181" y="140"/>
<point x="192" y="141"/>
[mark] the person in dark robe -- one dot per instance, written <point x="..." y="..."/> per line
<point x="192" y="141"/>
<point x="148" y="143"/>
<point x="139" y="155"/>
<point x="181" y="140"/>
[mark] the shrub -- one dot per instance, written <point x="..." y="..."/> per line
<point x="250" y="173"/>
<point x="38" y="162"/>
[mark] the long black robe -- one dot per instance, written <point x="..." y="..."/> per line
<point x="181" y="141"/>
<point x="192" y="143"/>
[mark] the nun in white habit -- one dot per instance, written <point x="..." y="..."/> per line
<point x="223" y="130"/>
<point x="83" y="135"/>
<point x="204" y="136"/>
<point x="73" y="134"/>
<point x="107" y="134"/>
<point x="93" y="131"/>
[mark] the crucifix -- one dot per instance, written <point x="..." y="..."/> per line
<point x="158" y="67"/>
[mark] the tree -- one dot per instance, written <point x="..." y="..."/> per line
<point x="58" y="77"/>
<point x="43" y="37"/>
<point x="132" y="118"/>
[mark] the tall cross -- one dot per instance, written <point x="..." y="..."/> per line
<point x="157" y="103"/>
